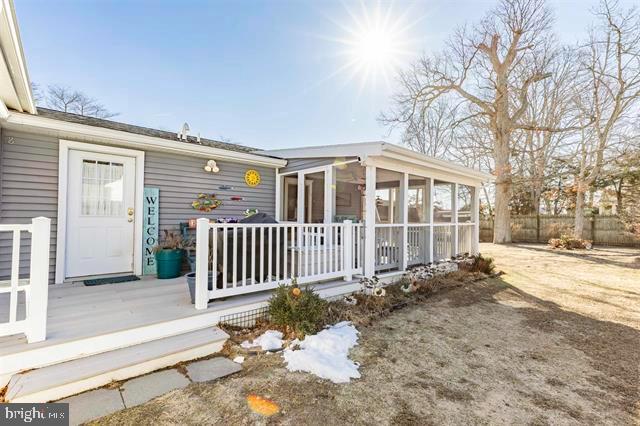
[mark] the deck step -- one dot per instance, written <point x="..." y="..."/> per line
<point x="72" y="377"/>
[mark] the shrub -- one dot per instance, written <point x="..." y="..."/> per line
<point x="171" y="241"/>
<point x="569" y="243"/>
<point x="479" y="263"/>
<point x="557" y="229"/>
<point x="297" y="310"/>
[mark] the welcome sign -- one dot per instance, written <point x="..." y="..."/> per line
<point x="150" y="229"/>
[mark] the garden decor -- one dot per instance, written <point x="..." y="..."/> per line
<point x="206" y="203"/>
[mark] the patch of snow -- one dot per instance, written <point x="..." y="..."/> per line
<point x="271" y="340"/>
<point x="238" y="359"/>
<point x="326" y="354"/>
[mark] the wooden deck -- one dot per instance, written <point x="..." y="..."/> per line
<point x="88" y="320"/>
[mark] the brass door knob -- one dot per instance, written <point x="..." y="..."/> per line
<point x="130" y="211"/>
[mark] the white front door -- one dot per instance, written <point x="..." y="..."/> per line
<point x="100" y="214"/>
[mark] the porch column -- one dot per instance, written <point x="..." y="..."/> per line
<point x="300" y="205"/>
<point x="278" y="196"/>
<point x="329" y="194"/>
<point x="429" y="199"/>
<point x="203" y="229"/>
<point x="36" y="330"/>
<point x="404" y="218"/>
<point x="370" y="222"/>
<point x="475" y="216"/>
<point x="454" y="217"/>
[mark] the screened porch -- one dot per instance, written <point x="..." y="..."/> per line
<point x="415" y="215"/>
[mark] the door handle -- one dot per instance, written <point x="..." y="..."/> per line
<point x="130" y="211"/>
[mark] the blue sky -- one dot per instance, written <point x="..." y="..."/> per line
<point x="261" y="73"/>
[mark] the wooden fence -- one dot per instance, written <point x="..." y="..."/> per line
<point x="604" y="230"/>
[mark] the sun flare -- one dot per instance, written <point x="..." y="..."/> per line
<point x="375" y="43"/>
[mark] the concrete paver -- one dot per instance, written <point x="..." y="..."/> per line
<point x="211" y="369"/>
<point x="142" y="389"/>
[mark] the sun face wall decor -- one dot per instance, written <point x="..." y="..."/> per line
<point x="252" y="178"/>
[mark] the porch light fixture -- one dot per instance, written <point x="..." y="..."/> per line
<point x="211" y="167"/>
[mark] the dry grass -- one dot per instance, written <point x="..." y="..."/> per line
<point x="553" y="341"/>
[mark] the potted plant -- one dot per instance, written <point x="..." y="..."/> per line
<point x="169" y="253"/>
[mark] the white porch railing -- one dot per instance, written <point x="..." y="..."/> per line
<point x="465" y="237"/>
<point x="442" y="241"/>
<point x="242" y="258"/>
<point x="388" y="246"/>
<point x="33" y="322"/>
<point x="418" y="235"/>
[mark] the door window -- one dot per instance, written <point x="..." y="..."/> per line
<point x="102" y="188"/>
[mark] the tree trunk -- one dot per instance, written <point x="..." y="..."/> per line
<point x="502" y="224"/>
<point x="619" y="196"/>
<point x="502" y="227"/>
<point x="579" y="221"/>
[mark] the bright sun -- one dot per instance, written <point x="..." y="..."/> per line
<point x="375" y="43"/>
<point x="374" y="47"/>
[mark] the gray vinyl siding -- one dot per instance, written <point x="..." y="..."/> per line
<point x="297" y="164"/>
<point x="29" y="188"/>
<point x="181" y="178"/>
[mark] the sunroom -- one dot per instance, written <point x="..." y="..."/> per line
<point x="419" y="209"/>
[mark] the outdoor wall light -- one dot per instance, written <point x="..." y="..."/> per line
<point x="211" y="167"/>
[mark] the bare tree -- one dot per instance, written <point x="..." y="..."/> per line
<point x="36" y="92"/>
<point x="61" y="98"/>
<point x="433" y="132"/>
<point x="85" y="105"/>
<point x="492" y="68"/>
<point x="552" y="107"/>
<point x="68" y="100"/>
<point x="611" y="66"/>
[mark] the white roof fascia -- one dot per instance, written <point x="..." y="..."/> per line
<point x="14" y="60"/>
<point x="361" y="149"/>
<point x="66" y="129"/>
<point x="4" y="112"/>
<point x="401" y="153"/>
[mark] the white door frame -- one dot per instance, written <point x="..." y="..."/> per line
<point x="63" y="173"/>
<point x="288" y="180"/>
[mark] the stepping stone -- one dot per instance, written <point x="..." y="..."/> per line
<point x="93" y="404"/>
<point x="142" y="389"/>
<point x="211" y="369"/>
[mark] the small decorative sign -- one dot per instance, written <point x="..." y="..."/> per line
<point x="252" y="178"/>
<point x="150" y="214"/>
<point x="206" y="203"/>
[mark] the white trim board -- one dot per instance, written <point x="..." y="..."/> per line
<point x="13" y="61"/>
<point x="93" y="134"/>
<point x="364" y="150"/>
<point x="63" y="174"/>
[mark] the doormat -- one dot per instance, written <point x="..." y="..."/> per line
<point x="112" y="280"/>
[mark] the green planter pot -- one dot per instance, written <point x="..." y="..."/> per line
<point x="169" y="263"/>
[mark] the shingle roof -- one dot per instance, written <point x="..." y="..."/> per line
<point x="138" y="130"/>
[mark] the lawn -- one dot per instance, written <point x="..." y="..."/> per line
<point x="555" y="340"/>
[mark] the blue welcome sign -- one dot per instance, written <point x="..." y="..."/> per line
<point x="151" y="212"/>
